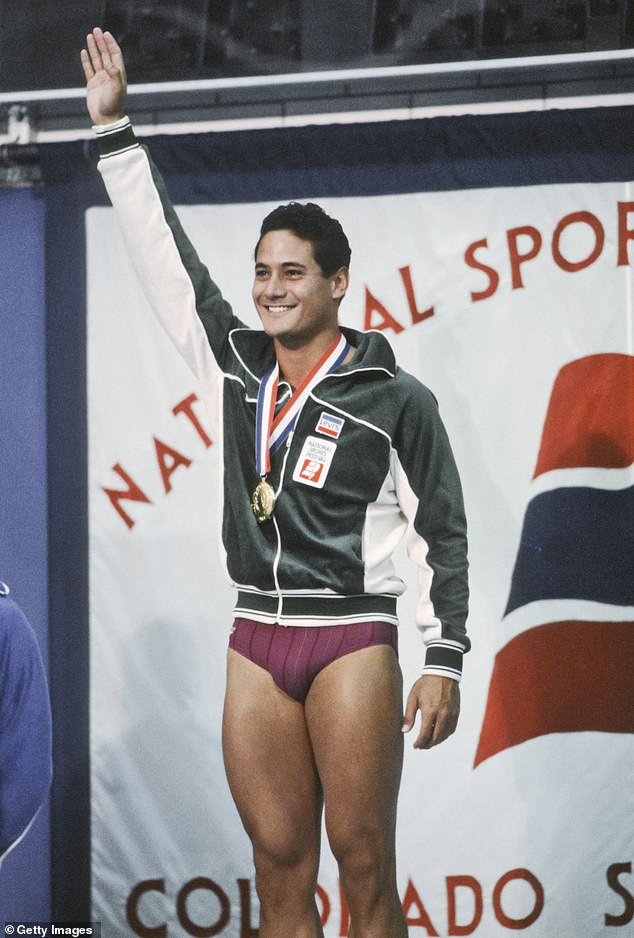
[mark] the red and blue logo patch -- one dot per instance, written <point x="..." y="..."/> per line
<point x="330" y="425"/>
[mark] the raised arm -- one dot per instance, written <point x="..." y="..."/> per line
<point x="177" y="284"/>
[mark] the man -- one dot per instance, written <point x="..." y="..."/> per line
<point x="330" y="454"/>
<point x="25" y="725"/>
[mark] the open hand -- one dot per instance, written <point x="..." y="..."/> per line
<point x="438" y="699"/>
<point x="104" y="69"/>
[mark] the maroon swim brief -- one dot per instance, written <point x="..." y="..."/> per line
<point x="294" y="655"/>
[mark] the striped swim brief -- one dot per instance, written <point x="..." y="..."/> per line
<point x="294" y="655"/>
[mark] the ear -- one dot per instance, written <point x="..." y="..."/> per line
<point x="340" y="281"/>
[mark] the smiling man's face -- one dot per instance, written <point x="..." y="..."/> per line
<point x="293" y="298"/>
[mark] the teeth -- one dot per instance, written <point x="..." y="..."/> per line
<point x="278" y="309"/>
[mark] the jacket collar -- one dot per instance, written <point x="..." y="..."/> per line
<point x="255" y="350"/>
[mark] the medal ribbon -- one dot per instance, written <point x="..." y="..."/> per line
<point x="272" y="431"/>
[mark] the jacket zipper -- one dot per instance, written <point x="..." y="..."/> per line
<point x="278" y="554"/>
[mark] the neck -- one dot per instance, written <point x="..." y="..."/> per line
<point x="297" y="361"/>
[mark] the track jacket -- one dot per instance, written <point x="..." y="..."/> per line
<point x="367" y="462"/>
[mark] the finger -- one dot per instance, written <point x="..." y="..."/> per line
<point x="442" y="729"/>
<point x="94" y="53"/>
<point x="104" y="51"/>
<point x="114" y="50"/>
<point x="444" y="726"/>
<point x="410" y="713"/>
<point x="116" y="56"/>
<point x="435" y="733"/>
<point x="427" y="729"/>
<point x="89" y="71"/>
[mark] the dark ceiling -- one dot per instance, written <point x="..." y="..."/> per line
<point x="187" y="39"/>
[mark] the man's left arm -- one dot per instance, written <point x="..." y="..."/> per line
<point x="430" y="495"/>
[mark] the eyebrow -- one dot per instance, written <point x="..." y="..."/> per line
<point x="284" y="264"/>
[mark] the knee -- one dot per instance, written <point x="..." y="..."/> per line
<point x="285" y="865"/>
<point x="366" y="860"/>
<point x="279" y="850"/>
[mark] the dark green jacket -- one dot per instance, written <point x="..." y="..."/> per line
<point x="326" y="556"/>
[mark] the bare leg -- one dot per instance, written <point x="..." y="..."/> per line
<point x="274" y="782"/>
<point x="354" y="713"/>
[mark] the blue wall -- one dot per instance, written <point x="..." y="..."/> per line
<point x="25" y="874"/>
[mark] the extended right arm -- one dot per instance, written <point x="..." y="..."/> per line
<point x="178" y="286"/>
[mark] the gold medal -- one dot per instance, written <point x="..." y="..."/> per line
<point x="272" y="431"/>
<point x="263" y="501"/>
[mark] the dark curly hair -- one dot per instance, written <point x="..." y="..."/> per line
<point x="309" y="222"/>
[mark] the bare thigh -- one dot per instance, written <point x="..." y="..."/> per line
<point x="270" y="766"/>
<point x="354" y="713"/>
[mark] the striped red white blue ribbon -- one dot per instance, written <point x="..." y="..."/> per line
<point x="271" y="431"/>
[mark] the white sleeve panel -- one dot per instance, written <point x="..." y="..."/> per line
<point x="382" y="533"/>
<point x="158" y="263"/>
<point x="426" y="619"/>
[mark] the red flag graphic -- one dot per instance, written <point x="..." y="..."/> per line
<point x="573" y="675"/>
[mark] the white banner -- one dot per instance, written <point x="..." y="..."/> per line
<point x="515" y="307"/>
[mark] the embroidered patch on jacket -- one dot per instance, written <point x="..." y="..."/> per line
<point x="330" y="425"/>
<point x="314" y="462"/>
